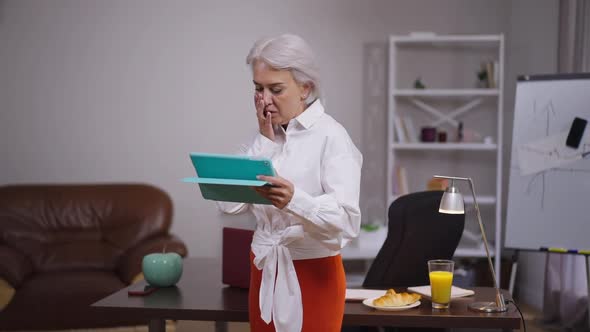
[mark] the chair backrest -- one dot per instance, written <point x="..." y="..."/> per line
<point x="417" y="233"/>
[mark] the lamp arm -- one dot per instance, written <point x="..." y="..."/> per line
<point x="499" y="297"/>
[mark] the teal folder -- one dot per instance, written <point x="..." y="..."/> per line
<point x="230" y="178"/>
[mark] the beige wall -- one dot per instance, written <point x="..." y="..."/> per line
<point x="95" y="91"/>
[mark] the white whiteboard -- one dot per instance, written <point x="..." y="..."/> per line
<point x="549" y="207"/>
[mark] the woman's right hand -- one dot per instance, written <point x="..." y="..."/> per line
<point x="264" y="118"/>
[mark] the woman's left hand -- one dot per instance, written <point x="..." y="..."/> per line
<point x="279" y="192"/>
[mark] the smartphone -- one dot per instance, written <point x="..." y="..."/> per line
<point x="141" y="290"/>
<point x="576" y="132"/>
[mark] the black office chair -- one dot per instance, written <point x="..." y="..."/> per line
<point x="417" y="233"/>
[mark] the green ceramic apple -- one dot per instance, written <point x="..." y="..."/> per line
<point x="162" y="269"/>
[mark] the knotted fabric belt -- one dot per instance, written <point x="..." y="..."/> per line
<point x="280" y="294"/>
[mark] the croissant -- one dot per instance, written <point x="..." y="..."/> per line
<point x="393" y="299"/>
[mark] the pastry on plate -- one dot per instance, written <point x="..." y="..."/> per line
<point x="393" y="299"/>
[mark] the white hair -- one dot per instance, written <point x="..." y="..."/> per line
<point x="289" y="52"/>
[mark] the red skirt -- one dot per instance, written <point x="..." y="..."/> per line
<point x="323" y="289"/>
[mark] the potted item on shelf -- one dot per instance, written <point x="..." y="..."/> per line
<point x="482" y="78"/>
<point x="467" y="135"/>
<point x="418" y="84"/>
<point x="428" y="134"/>
<point x="472" y="136"/>
<point x="487" y="74"/>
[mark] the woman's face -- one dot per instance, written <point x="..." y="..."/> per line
<point x="283" y="97"/>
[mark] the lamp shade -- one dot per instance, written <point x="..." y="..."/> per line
<point x="452" y="201"/>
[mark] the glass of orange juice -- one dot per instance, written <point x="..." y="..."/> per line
<point x="440" y="272"/>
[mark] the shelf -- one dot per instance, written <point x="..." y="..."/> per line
<point x="366" y="246"/>
<point x="452" y="100"/>
<point x="473" y="252"/>
<point x="445" y="146"/>
<point x="445" y="92"/>
<point x="481" y="200"/>
<point x="419" y="39"/>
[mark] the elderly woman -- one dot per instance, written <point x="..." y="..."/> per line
<point x="297" y="277"/>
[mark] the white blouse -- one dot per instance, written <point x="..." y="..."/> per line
<point x="316" y="154"/>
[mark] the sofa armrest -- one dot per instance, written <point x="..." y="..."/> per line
<point x="15" y="267"/>
<point x="130" y="263"/>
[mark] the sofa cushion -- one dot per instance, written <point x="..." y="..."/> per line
<point x="14" y="266"/>
<point x="64" y="247"/>
<point x="73" y="227"/>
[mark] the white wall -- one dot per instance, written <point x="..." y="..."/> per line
<point x="111" y="91"/>
<point x="123" y="90"/>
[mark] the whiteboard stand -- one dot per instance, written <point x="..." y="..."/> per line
<point x="513" y="272"/>
<point x="586" y="258"/>
<point x="543" y="167"/>
<point x="586" y="261"/>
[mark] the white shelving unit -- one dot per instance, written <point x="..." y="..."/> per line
<point x="444" y="146"/>
<point x="426" y="102"/>
<point x="445" y="92"/>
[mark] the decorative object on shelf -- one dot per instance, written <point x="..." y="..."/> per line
<point x="471" y="136"/>
<point x="442" y="136"/>
<point x="488" y="140"/>
<point x="428" y="134"/>
<point x="482" y="78"/>
<point x="400" y="130"/>
<point x="411" y="133"/>
<point x="487" y="75"/>
<point x="437" y="184"/>
<point x="460" y="132"/>
<point x="400" y="181"/>
<point x="452" y="203"/>
<point x="418" y="84"/>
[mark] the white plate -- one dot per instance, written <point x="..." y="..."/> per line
<point x="362" y="294"/>
<point x="369" y="303"/>
<point x="455" y="291"/>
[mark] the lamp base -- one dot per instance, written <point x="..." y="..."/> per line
<point x="489" y="307"/>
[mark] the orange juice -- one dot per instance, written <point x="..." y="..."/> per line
<point x="440" y="285"/>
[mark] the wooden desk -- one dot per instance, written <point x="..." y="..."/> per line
<point x="200" y="295"/>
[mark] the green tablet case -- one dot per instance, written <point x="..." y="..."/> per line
<point x="229" y="178"/>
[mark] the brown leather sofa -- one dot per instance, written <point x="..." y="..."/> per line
<point x="64" y="247"/>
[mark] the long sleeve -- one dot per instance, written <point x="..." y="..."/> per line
<point x="334" y="217"/>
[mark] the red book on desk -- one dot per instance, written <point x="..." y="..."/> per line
<point x="236" y="257"/>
